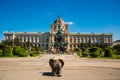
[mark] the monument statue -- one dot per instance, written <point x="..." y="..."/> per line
<point x="59" y="43"/>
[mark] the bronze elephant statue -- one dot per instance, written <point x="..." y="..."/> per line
<point x="56" y="66"/>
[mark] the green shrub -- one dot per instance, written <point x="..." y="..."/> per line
<point x="77" y="49"/>
<point x="7" y="51"/>
<point x="47" y="51"/>
<point x="37" y="52"/>
<point x="33" y="53"/>
<point x="37" y="49"/>
<point x="84" y="54"/>
<point x="117" y="52"/>
<point x="33" y="49"/>
<point x="118" y="57"/>
<point x="117" y="48"/>
<point x="23" y="54"/>
<point x="96" y="52"/>
<point x="0" y="52"/>
<point x="109" y="52"/>
<point x="42" y="49"/>
<point x="17" y="50"/>
<point x="84" y="49"/>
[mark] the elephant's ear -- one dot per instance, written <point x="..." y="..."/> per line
<point x="51" y="62"/>
<point x="61" y="61"/>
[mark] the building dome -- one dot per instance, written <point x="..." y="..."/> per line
<point x="58" y="20"/>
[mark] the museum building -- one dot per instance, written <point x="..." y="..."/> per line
<point x="73" y="40"/>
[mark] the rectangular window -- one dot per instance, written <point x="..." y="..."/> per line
<point x="39" y="39"/>
<point x="74" y="46"/>
<point x="47" y="39"/>
<point x="42" y="45"/>
<point x="24" y="38"/>
<point x="35" y="38"/>
<point x="43" y="40"/>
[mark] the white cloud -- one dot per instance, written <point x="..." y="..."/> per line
<point x="70" y="23"/>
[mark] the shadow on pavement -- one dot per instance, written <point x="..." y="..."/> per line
<point x="47" y="74"/>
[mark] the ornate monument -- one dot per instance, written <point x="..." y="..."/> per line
<point x="59" y="43"/>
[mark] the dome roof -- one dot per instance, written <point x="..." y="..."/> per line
<point x="58" y="20"/>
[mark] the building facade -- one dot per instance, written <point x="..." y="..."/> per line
<point x="45" y="39"/>
<point x="117" y="42"/>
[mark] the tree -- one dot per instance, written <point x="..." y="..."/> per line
<point x="17" y="50"/>
<point x="1" y="46"/>
<point x="97" y="44"/>
<point x="7" y="43"/>
<point x="105" y="45"/>
<point x="28" y="44"/>
<point x="109" y="52"/>
<point x="16" y="41"/>
<point x="96" y="52"/>
<point x="117" y="49"/>
<point x="89" y="44"/>
<point x="35" y="51"/>
<point x="0" y="52"/>
<point x="78" y="51"/>
<point x="7" y="51"/>
<point x="82" y="45"/>
<point x="84" y="52"/>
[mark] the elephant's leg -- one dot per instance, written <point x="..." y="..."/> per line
<point x="53" y="71"/>
<point x="58" y="71"/>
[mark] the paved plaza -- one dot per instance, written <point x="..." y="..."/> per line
<point x="37" y="68"/>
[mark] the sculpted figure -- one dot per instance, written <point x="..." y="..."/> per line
<point x="56" y="66"/>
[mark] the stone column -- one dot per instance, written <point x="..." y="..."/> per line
<point x="91" y="39"/>
<point x="37" y="39"/>
<point x="22" y="38"/>
<point x="33" y="38"/>
<point x="30" y="38"/>
<point x="95" y="39"/>
<point x="26" y="38"/>
<point x="68" y="41"/>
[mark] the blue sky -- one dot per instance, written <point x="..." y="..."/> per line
<point x="98" y="16"/>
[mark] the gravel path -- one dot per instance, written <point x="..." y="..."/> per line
<point x="35" y="68"/>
